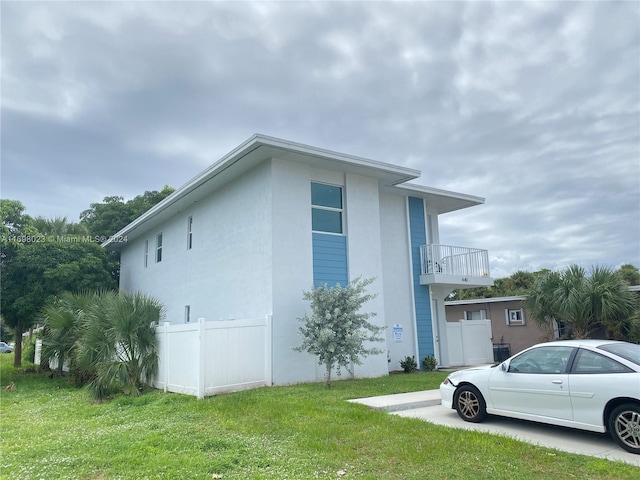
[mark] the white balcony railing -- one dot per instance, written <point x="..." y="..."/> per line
<point x="458" y="261"/>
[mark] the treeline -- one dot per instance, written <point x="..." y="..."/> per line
<point x="521" y="282"/>
<point x="40" y="258"/>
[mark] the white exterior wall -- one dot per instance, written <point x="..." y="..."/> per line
<point x="398" y="283"/>
<point x="293" y="262"/>
<point x="227" y="273"/>
<point x="365" y="258"/>
<point x="292" y="269"/>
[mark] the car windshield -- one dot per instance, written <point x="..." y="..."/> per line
<point x="629" y="351"/>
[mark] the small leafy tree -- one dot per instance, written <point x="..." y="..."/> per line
<point x="336" y="330"/>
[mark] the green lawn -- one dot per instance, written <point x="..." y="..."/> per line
<point x="51" y="430"/>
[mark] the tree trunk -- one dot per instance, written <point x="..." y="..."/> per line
<point x="17" y="352"/>
<point x="327" y="382"/>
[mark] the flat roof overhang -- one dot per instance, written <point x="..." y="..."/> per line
<point x="243" y="158"/>
<point x="440" y="201"/>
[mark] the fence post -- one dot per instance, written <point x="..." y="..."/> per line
<point x="201" y="358"/>
<point x="165" y="342"/>
<point x="38" y="354"/>
<point x="268" y="365"/>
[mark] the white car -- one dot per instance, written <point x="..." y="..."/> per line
<point x="585" y="384"/>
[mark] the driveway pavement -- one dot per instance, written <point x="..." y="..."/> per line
<point x="426" y="406"/>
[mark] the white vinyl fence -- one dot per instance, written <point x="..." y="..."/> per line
<point x="469" y="342"/>
<point x="206" y="358"/>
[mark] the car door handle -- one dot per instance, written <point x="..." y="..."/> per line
<point x="557" y="382"/>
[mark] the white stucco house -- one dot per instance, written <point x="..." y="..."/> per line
<point x="272" y="218"/>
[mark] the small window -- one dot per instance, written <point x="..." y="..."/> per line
<point x="515" y="316"/>
<point x="159" y="248"/>
<point x="475" y="314"/>
<point x="326" y="208"/>
<point x="146" y="253"/>
<point x="187" y="313"/>
<point x="189" y="233"/>
<point x="559" y="329"/>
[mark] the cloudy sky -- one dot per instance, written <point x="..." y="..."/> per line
<point x="533" y="105"/>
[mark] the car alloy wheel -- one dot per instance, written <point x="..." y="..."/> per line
<point x="624" y="426"/>
<point x="470" y="404"/>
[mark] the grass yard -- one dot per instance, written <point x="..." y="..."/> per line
<point x="51" y="430"/>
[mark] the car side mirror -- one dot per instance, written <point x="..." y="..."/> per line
<point x="504" y="367"/>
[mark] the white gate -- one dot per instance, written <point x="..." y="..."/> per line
<point x="469" y="342"/>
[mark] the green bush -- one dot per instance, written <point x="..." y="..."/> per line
<point x="429" y="363"/>
<point x="409" y="364"/>
<point x="29" y="350"/>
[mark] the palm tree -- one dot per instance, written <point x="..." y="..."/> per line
<point x="63" y="321"/>
<point x="612" y="303"/>
<point x="539" y="301"/>
<point x="58" y="226"/>
<point x="119" y="341"/>
<point x="584" y="302"/>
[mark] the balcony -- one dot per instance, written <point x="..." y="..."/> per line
<point x="457" y="267"/>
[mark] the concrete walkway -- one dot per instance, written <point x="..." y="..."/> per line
<point x="402" y="401"/>
<point x="426" y="406"/>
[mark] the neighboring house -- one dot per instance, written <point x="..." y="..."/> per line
<point x="273" y="218"/>
<point x="510" y="325"/>
<point x="512" y="330"/>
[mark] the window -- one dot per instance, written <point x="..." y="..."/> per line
<point x="591" y="362"/>
<point x="189" y="233"/>
<point x="146" y="253"/>
<point x="475" y="315"/>
<point x="159" y="248"/>
<point x="515" y="316"/>
<point x="326" y="208"/>
<point x="628" y="351"/>
<point x="542" y="360"/>
<point x="559" y="329"/>
<point x="187" y="313"/>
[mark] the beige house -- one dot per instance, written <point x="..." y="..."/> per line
<point x="511" y="328"/>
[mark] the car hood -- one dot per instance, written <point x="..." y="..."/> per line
<point x="472" y="371"/>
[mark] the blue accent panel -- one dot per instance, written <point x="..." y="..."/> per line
<point x="422" y="298"/>
<point x="330" y="259"/>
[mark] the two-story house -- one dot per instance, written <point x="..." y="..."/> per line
<point x="273" y="218"/>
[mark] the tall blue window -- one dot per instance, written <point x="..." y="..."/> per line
<point x="326" y="208"/>
<point x="329" y="241"/>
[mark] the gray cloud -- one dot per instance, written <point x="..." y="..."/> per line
<point x="534" y="105"/>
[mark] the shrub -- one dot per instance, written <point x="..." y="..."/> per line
<point x="429" y="363"/>
<point x="409" y="364"/>
<point x="119" y="343"/>
<point x="29" y="350"/>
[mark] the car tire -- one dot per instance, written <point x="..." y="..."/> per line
<point x="470" y="404"/>
<point x="624" y="426"/>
